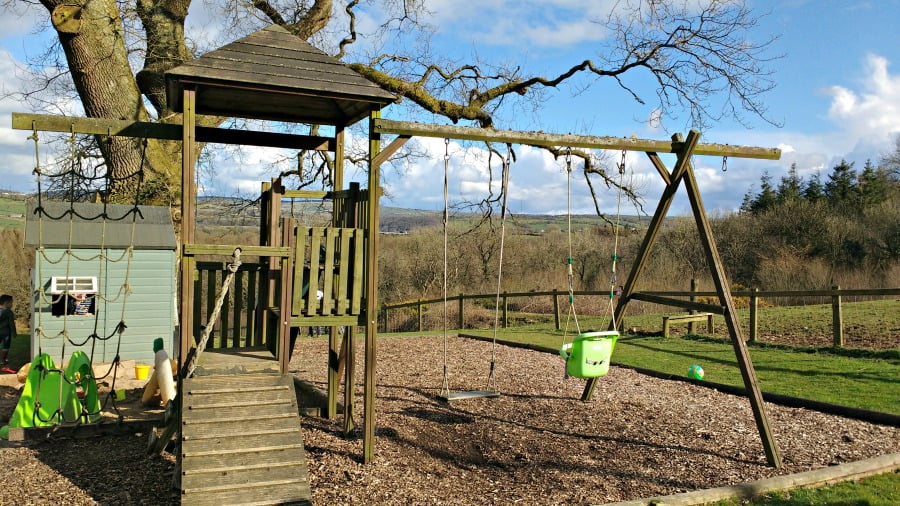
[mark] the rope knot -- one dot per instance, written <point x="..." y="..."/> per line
<point x="236" y="261"/>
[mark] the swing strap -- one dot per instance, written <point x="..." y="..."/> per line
<point x="445" y="384"/>
<point x="504" y="189"/>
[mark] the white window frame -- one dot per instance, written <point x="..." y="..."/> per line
<point x="73" y="284"/>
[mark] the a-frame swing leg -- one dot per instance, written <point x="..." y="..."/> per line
<point x="684" y="171"/>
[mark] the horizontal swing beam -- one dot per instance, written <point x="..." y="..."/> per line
<point x="405" y="128"/>
<point x="167" y="131"/>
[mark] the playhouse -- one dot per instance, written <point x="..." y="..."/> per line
<point x="101" y="270"/>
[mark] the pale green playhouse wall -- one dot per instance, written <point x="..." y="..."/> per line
<point x="148" y="309"/>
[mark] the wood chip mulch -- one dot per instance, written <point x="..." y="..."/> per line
<point x="539" y="444"/>
<point x="536" y="444"/>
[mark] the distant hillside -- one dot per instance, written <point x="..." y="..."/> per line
<point x="229" y="212"/>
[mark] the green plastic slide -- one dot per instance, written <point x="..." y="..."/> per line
<point x="45" y="392"/>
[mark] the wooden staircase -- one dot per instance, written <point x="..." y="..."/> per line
<point x="241" y="441"/>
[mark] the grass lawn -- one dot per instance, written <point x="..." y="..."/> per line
<point x="856" y="378"/>
<point x="867" y="382"/>
<point x="879" y="490"/>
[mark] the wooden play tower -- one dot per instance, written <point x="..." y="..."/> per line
<point x="240" y="436"/>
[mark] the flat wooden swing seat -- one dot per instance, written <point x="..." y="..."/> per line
<point x="462" y="395"/>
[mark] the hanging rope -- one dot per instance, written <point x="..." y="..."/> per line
<point x="570" y="259"/>
<point x="445" y="384"/>
<point x="220" y="300"/>
<point x="74" y="177"/>
<point x="504" y="188"/>
<point x="613" y="279"/>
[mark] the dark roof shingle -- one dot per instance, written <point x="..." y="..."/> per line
<point x="273" y="74"/>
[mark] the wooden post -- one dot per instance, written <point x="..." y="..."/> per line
<point x="262" y="311"/>
<point x="419" y="315"/>
<point x="461" y="321"/>
<point x="692" y="298"/>
<point x="837" y="318"/>
<point x="754" y="315"/>
<point x="371" y="291"/>
<point x="334" y="370"/>
<point x="334" y="339"/>
<point x="273" y="238"/>
<point x="505" y="301"/>
<point x="288" y="238"/>
<point x="188" y="192"/>
<point x="349" y="378"/>
<point x="556" y="319"/>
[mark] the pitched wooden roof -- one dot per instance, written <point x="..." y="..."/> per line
<point x="275" y="75"/>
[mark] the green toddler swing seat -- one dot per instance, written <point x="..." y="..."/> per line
<point x="587" y="356"/>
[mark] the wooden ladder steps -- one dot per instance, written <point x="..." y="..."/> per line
<point x="241" y="442"/>
<point x="238" y="486"/>
<point x="287" y="430"/>
<point x="236" y="419"/>
<point x="234" y="451"/>
<point x="237" y="404"/>
<point x="233" y="390"/>
<point x="248" y="467"/>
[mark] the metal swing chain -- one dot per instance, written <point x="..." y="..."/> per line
<point x="724" y="163"/>
<point x="504" y="187"/>
<point x="445" y="384"/>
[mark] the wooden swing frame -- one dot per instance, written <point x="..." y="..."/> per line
<point x="684" y="149"/>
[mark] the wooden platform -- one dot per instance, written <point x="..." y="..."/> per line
<point x="241" y="440"/>
<point x="255" y="360"/>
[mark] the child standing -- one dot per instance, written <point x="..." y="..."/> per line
<point x="7" y="327"/>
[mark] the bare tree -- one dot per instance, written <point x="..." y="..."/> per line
<point x="698" y="55"/>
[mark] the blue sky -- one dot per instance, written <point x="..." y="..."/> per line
<point x="837" y="96"/>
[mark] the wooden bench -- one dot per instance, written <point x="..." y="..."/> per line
<point x="687" y="318"/>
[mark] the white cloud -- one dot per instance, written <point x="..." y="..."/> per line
<point x="874" y="111"/>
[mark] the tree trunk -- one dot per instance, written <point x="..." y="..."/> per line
<point x="100" y="70"/>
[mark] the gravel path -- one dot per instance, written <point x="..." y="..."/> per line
<point x="536" y="444"/>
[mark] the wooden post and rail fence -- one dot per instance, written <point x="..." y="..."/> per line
<point x="754" y="295"/>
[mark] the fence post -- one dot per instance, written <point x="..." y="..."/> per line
<point x="419" y="315"/>
<point x="555" y="296"/>
<point x="505" y="313"/>
<point x="460" y="320"/>
<point x="837" y="319"/>
<point x="754" y="315"/>
<point x="692" y="298"/>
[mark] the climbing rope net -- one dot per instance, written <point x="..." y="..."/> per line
<point x="83" y="307"/>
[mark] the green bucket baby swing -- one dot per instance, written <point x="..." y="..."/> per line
<point x="589" y="353"/>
